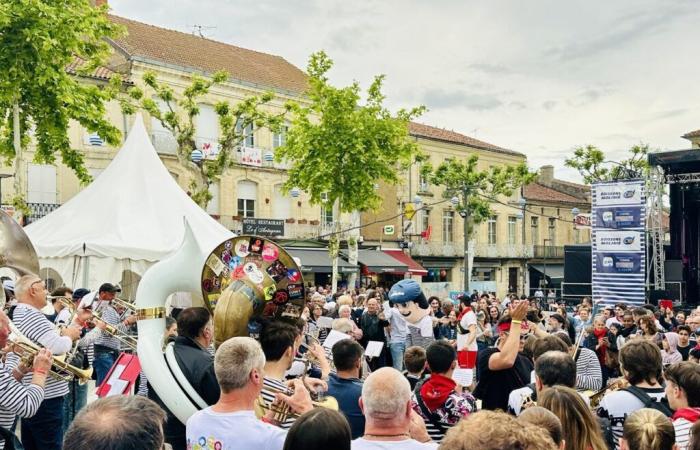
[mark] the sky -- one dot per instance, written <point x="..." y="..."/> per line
<point x="540" y="77"/>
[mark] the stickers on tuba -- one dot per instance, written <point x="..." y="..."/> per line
<point x="264" y="267"/>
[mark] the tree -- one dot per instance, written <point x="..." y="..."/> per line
<point x="38" y="98"/>
<point x="591" y="164"/>
<point x="339" y="148"/>
<point x="472" y="191"/>
<point x="178" y="116"/>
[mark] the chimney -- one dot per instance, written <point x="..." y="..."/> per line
<point x="546" y="175"/>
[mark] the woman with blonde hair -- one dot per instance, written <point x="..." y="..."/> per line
<point x="581" y="429"/>
<point x="648" y="429"/>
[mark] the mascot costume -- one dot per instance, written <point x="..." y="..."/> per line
<point x="414" y="308"/>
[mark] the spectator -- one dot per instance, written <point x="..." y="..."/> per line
<point x="373" y="330"/>
<point x="670" y="353"/>
<point x="581" y="429"/>
<point x="649" y="330"/>
<point x="546" y="420"/>
<point x="389" y="419"/>
<point x="346" y="385"/>
<point x="491" y="430"/>
<point x="119" y="422"/>
<point x="683" y="394"/>
<point x="345" y="312"/>
<point x="628" y="328"/>
<point x="647" y="429"/>
<point x="588" y="373"/>
<point x="437" y="400"/>
<point x="695" y="437"/>
<point x="414" y="360"/>
<point x="556" y="323"/>
<point x="600" y="339"/>
<point x="685" y="344"/>
<point x="397" y="335"/>
<point x="501" y="369"/>
<point x="640" y="363"/>
<point x="319" y="429"/>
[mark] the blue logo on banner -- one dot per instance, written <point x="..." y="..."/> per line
<point x="618" y="217"/>
<point x="618" y="263"/>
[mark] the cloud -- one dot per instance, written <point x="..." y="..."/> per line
<point x="491" y="69"/>
<point x="549" y="105"/>
<point x="436" y="98"/>
<point x="517" y="105"/>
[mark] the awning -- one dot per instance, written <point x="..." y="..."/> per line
<point x="553" y="271"/>
<point x="318" y="261"/>
<point x="413" y="266"/>
<point x="379" y="262"/>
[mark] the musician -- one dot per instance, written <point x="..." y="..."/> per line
<point x="346" y="384"/>
<point x="588" y="372"/>
<point x="195" y="335"/>
<point x="107" y="346"/>
<point x="231" y="423"/>
<point x="63" y="314"/>
<point x="45" y="429"/>
<point x="640" y="363"/>
<point x="17" y="399"/>
<point x="280" y="342"/>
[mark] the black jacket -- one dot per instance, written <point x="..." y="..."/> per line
<point x="197" y="364"/>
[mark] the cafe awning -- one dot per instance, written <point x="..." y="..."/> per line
<point x="379" y="262"/>
<point x="318" y="261"/>
<point x="413" y="267"/>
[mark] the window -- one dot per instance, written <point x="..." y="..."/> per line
<point x="281" y="204"/>
<point x="208" y="123"/>
<point x="163" y="140"/>
<point x="247" y="194"/>
<point x="247" y="132"/>
<point x="41" y="184"/>
<point x="423" y="184"/>
<point x="552" y="230"/>
<point x="492" y="230"/>
<point x="448" y="218"/>
<point x="279" y="139"/>
<point x="535" y="230"/>
<point x="425" y="219"/>
<point x="326" y="214"/>
<point x="511" y="229"/>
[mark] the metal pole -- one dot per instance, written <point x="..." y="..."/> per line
<point x="546" y="255"/>
<point x="524" y="269"/>
<point x="466" y="240"/>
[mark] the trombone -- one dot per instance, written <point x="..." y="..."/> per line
<point x="123" y="304"/>
<point x="129" y="341"/>
<point x="282" y="411"/>
<point x="60" y="369"/>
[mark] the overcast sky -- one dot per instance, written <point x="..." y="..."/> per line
<point x="539" y="77"/>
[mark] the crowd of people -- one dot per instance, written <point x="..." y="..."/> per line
<point x="477" y="372"/>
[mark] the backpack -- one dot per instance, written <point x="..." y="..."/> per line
<point x="649" y="402"/>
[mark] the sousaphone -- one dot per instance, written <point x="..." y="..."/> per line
<point x="16" y="250"/>
<point x="242" y="280"/>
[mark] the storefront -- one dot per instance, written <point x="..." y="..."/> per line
<point x="380" y="269"/>
<point x="317" y="267"/>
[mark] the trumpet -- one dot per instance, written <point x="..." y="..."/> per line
<point x="125" y="339"/>
<point x="594" y="398"/>
<point x="123" y="304"/>
<point x="283" y="412"/>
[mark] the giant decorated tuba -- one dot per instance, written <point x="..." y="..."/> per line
<point x="16" y="250"/>
<point x="241" y="281"/>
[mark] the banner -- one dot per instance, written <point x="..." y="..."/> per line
<point x="251" y="156"/>
<point x="263" y="227"/>
<point x="618" y="244"/>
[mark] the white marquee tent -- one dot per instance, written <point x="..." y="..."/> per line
<point x="128" y="218"/>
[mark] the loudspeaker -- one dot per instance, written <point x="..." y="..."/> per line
<point x="673" y="270"/>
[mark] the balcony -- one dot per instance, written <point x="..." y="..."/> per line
<point x="294" y="230"/>
<point x="479" y="250"/>
<point x="39" y="210"/>
<point x="549" y="251"/>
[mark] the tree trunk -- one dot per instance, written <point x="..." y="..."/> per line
<point x="17" y="165"/>
<point x="336" y="248"/>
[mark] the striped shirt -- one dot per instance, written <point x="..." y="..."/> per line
<point x="270" y="388"/>
<point x="588" y="374"/>
<point x="618" y="405"/>
<point x="16" y="399"/>
<point x="110" y="316"/>
<point x="682" y="427"/>
<point x="38" y="329"/>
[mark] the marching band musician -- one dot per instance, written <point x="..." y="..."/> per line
<point x="45" y="429"/>
<point x="16" y="399"/>
<point x="107" y="346"/>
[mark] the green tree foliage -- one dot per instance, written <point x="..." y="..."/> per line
<point x="179" y="117"/>
<point x="38" y="40"/>
<point x="340" y="146"/>
<point x="590" y="162"/>
<point x="476" y="189"/>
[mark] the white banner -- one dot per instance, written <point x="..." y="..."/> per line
<point x="623" y="193"/>
<point x="251" y="156"/>
<point x="618" y="241"/>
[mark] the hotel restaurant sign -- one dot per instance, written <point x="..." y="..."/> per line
<point x="263" y="227"/>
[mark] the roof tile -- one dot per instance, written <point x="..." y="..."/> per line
<point x="194" y="52"/>
<point x="439" y="134"/>
<point x="537" y="191"/>
<point x="691" y="134"/>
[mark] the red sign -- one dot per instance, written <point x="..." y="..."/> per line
<point x="121" y="377"/>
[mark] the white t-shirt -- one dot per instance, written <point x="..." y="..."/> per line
<point x="425" y="325"/>
<point x="468" y="319"/>
<point x="239" y="430"/>
<point x="406" y="444"/>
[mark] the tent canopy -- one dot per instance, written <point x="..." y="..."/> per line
<point x="133" y="211"/>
